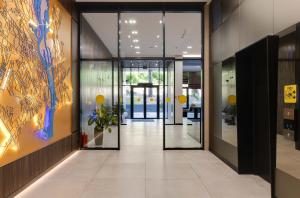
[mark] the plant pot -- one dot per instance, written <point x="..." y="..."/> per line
<point x="98" y="137"/>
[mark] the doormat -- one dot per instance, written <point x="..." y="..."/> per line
<point x="142" y="120"/>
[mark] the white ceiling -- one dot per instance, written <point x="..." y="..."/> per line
<point x="182" y="30"/>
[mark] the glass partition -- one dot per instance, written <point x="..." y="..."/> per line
<point x="141" y="35"/>
<point x="152" y="75"/>
<point x="183" y="80"/>
<point x="99" y="81"/>
<point x="96" y="79"/>
<point x="183" y="117"/>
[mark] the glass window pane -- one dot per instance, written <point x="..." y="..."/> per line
<point x="183" y="40"/>
<point x="141" y="35"/>
<point x="96" y="79"/>
<point x="138" y="102"/>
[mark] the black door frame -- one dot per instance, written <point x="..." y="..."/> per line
<point x="147" y="7"/>
<point x="145" y="100"/>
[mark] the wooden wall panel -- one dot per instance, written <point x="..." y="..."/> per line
<point x="1" y="183"/>
<point x="15" y="175"/>
<point x="19" y="173"/>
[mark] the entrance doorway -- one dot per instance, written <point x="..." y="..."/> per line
<point x="148" y="66"/>
<point x="145" y="102"/>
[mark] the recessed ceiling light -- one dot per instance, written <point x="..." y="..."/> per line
<point x="157" y="36"/>
<point x="189" y="47"/>
<point x="129" y="36"/>
<point x="132" y="21"/>
<point x="135" y="40"/>
<point x="137" y="52"/>
<point x="131" y="46"/>
<point x="134" y="32"/>
<point x="184" y="52"/>
<point x="126" y="21"/>
<point x="160" y="21"/>
<point x="137" y="47"/>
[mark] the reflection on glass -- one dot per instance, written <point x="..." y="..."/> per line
<point x="183" y="117"/>
<point x="96" y="79"/>
<point x="183" y="80"/>
<point x="229" y="119"/>
<point x="288" y="152"/>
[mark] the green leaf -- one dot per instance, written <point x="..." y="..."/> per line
<point x="90" y="121"/>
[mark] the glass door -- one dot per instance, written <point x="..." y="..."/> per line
<point x="152" y="101"/>
<point x="138" y="101"/>
<point x="145" y="102"/>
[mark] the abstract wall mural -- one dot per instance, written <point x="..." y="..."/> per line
<point x="34" y="70"/>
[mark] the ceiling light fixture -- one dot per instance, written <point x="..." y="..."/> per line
<point x="126" y="21"/>
<point x="185" y="52"/>
<point x="137" y="52"/>
<point x="134" y="32"/>
<point x="160" y="21"/>
<point x="158" y="36"/>
<point x="189" y="47"/>
<point x="137" y="47"/>
<point x="135" y="40"/>
<point x="155" y="46"/>
<point x="132" y="21"/>
<point x="131" y="46"/>
<point x="129" y="36"/>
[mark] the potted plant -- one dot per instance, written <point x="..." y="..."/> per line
<point x="103" y="118"/>
<point x="116" y="112"/>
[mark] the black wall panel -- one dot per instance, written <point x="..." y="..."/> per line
<point x="257" y="107"/>
<point x="297" y="79"/>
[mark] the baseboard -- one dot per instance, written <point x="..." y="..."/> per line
<point x="15" y="175"/>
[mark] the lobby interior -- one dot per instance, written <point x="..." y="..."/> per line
<point x="149" y="99"/>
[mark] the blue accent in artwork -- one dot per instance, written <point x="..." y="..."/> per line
<point x="48" y="124"/>
<point x="41" y="10"/>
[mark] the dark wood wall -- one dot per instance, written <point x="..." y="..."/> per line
<point x="297" y="79"/>
<point x="17" y="174"/>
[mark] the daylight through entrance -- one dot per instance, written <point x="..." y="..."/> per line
<point x="144" y="83"/>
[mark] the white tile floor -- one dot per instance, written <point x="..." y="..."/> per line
<point x="142" y="169"/>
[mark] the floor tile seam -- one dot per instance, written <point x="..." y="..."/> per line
<point x="93" y="177"/>
<point x="203" y="183"/>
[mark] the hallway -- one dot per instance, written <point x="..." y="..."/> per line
<point x="143" y="169"/>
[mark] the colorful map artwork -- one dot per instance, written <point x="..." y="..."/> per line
<point x="32" y="70"/>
